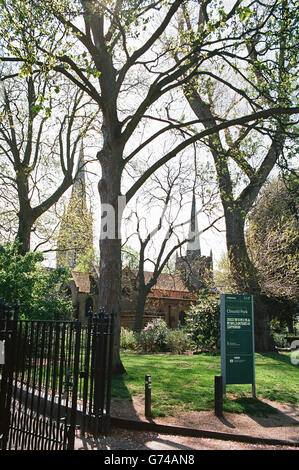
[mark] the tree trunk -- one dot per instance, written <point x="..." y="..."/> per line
<point x="109" y="292"/>
<point x="24" y="232"/>
<point x="263" y="339"/>
<point x="242" y="270"/>
<point x="25" y="216"/>
<point x="245" y="277"/>
<point x="110" y="247"/>
<point x="141" y="300"/>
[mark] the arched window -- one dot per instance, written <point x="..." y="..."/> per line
<point x="76" y="312"/>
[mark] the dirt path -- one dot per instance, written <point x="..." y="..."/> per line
<point x="129" y="440"/>
<point x="282" y="424"/>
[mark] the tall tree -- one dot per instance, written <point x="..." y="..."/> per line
<point x="272" y="244"/>
<point x="161" y="233"/>
<point x="111" y="50"/>
<point x="268" y="37"/>
<point x="41" y="124"/>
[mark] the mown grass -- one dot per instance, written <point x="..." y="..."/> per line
<point x="186" y="383"/>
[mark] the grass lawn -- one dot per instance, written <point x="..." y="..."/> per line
<point x="186" y="383"/>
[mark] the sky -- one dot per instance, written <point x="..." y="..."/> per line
<point x="211" y="239"/>
<point x="150" y="214"/>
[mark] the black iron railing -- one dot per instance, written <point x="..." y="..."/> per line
<point x="95" y="373"/>
<point x="56" y="376"/>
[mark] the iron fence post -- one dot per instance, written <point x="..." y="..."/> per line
<point x="72" y="426"/>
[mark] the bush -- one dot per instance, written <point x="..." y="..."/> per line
<point x="146" y="342"/>
<point x="128" y="340"/>
<point x="177" y="341"/>
<point x="203" y="323"/>
<point x="153" y="337"/>
<point x="280" y="340"/>
<point x="157" y="337"/>
<point x="37" y="290"/>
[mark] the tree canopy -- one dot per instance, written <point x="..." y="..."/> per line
<point x="273" y="241"/>
<point x="133" y="58"/>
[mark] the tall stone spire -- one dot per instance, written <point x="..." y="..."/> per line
<point x="76" y="231"/>
<point x="193" y="244"/>
<point x="79" y="186"/>
<point x="195" y="269"/>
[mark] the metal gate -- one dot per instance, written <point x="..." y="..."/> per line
<point x="55" y="376"/>
<point x="96" y="373"/>
<point x="38" y="383"/>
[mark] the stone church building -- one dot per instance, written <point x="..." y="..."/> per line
<point x="170" y="297"/>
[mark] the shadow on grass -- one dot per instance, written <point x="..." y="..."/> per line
<point x="262" y="413"/>
<point x="278" y="357"/>
<point x="250" y="406"/>
<point x="121" y="399"/>
<point x="119" y="388"/>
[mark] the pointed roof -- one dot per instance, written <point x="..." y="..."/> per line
<point x="194" y="239"/>
<point x="76" y="231"/>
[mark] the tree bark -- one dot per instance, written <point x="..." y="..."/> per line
<point x="26" y="220"/>
<point x="141" y="300"/>
<point x="24" y="231"/>
<point x="242" y="270"/>
<point x="110" y="245"/>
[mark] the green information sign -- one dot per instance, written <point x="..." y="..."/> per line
<point x="237" y="339"/>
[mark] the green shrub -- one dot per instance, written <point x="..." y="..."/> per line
<point x="203" y="323"/>
<point x="157" y="337"/>
<point x="146" y="342"/>
<point x="177" y="341"/>
<point x="280" y="340"/>
<point x="39" y="291"/>
<point x="128" y="340"/>
<point x="153" y="337"/>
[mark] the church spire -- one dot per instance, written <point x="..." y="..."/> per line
<point x="79" y="188"/>
<point x="194" y="240"/>
<point x="76" y="231"/>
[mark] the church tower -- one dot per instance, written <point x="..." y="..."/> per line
<point x="76" y="231"/>
<point x="195" y="269"/>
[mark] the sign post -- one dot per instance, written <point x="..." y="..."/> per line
<point x="237" y="340"/>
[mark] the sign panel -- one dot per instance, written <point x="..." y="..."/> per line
<point x="237" y="339"/>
